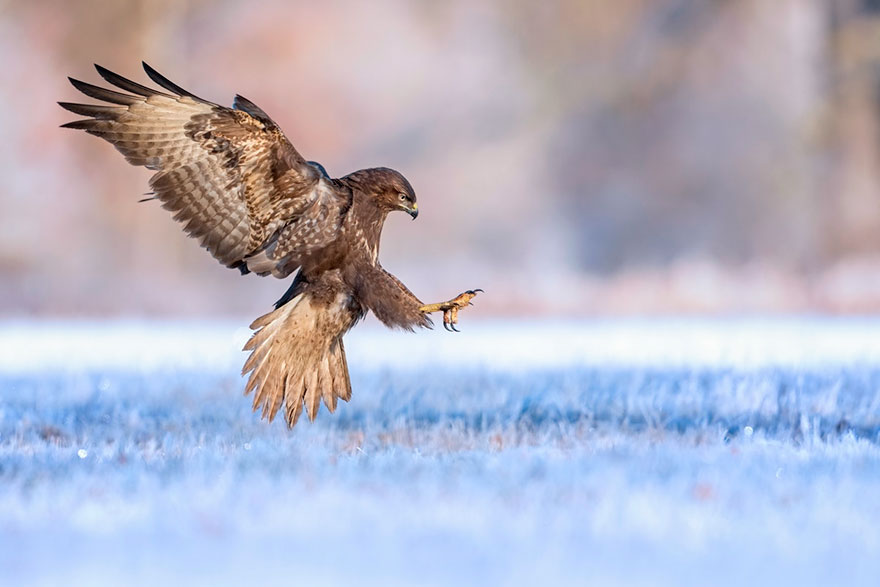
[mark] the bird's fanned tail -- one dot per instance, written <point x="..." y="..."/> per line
<point x="293" y="361"/>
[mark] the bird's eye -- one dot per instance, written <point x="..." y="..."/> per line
<point x="403" y="197"/>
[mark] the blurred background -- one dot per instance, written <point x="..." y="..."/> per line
<point x="573" y="157"/>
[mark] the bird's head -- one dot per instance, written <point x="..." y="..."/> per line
<point x="388" y="189"/>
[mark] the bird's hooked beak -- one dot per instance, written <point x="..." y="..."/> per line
<point x="414" y="211"/>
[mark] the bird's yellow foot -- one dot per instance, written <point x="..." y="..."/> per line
<point x="450" y="309"/>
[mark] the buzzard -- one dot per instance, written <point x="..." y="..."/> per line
<point x="239" y="187"/>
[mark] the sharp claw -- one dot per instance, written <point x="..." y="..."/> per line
<point x="473" y="291"/>
<point x="446" y="326"/>
<point x="454" y="329"/>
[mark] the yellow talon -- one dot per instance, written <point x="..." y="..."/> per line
<point x="450" y="309"/>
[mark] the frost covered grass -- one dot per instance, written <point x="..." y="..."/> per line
<point x="661" y="452"/>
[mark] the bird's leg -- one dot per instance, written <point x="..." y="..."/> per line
<point x="450" y="309"/>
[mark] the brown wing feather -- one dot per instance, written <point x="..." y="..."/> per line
<point x="232" y="178"/>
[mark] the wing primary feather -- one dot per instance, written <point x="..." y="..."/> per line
<point x="126" y="84"/>
<point x="104" y="94"/>
<point x="167" y="83"/>
<point x="245" y="105"/>
<point x="95" y="110"/>
<point x="87" y="125"/>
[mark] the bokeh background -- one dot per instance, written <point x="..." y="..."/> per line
<point x="672" y="378"/>
<point x="571" y="157"/>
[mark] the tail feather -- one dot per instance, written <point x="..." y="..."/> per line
<point x="312" y="395"/>
<point x="339" y="368"/>
<point x="297" y="359"/>
<point x="294" y="407"/>
<point x="325" y="382"/>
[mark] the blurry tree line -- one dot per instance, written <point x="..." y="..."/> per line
<point x="730" y="130"/>
<point x="573" y="140"/>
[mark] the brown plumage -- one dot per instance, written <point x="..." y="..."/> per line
<point x="238" y="186"/>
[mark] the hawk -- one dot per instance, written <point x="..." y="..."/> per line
<point x="239" y="187"/>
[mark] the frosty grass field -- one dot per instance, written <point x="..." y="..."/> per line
<point x="653" y="452"/>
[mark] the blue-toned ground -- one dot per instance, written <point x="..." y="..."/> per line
<point x="649" y="452"/>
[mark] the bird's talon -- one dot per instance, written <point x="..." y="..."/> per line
<point x="450" y="309"/>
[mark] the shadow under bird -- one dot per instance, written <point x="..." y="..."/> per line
<point x="238" y="186"/>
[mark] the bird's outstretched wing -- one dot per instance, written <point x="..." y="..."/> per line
<point x="228" y="174"/>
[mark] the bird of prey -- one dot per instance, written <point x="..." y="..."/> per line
<point x="239" y="187"/>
